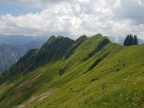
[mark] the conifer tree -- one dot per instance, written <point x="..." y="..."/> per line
<point x="130" y="40"/>
<point x="126" y="40"/>
<point x="135" y="40"/>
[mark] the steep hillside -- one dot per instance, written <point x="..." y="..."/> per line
<point x="54" y="49"/>
<point x="86" y="73"/>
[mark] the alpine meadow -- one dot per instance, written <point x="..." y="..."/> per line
<point x="89" y="72"/>
<point x="72" y="54"/>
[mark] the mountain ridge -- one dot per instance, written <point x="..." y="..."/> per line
<point x="104" y="79"/>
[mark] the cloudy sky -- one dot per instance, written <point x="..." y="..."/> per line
<point x="72" y="18"/>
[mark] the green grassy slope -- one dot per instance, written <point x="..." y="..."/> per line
<point x="96" y="74"/>
<point x="54" y="49"/>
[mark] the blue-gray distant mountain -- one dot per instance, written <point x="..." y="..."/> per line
<point x="13" y="47"/>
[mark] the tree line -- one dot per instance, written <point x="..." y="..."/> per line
<point x="131" y="40"/>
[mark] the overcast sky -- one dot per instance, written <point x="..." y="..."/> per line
<point x="72" y="18"/>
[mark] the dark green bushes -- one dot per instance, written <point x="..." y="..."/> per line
<point x="61" y="71"/>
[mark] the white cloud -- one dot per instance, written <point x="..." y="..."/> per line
<point x="78" y="17"/>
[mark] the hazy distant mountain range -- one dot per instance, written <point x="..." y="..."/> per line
<point x="13" y="47"/>
<point x="121" y="39"/>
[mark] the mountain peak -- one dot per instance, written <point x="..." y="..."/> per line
<point x="81" y="38"/>
<point x="99" y="35"/>
<point x="51" y="39"/>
